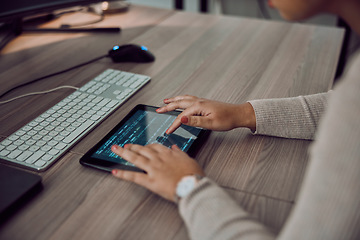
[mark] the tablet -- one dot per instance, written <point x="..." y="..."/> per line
<point x="143" y="126"/>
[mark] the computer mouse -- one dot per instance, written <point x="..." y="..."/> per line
<point x="131" y="53"/>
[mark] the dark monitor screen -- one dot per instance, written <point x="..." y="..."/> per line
<point x="12" y="9"/>
<point x="13" y="12"/>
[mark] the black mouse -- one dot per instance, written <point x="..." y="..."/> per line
<point x="131" y="53"/>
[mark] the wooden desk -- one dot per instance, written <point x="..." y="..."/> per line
<point x="222" y="58"/>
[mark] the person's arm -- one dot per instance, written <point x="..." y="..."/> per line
<point x="210" y="213"/>
<point x="209" y="114"/>
<point x="327" y="205"/>
<point x="296" y="117"/>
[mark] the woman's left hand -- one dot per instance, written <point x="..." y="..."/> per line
<point x="164" y="166"/>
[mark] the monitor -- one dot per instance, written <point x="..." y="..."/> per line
<point x="16" y="9"/>
<point x="12" y="13"/>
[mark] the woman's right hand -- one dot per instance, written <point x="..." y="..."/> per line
<point x="213" y="115"/>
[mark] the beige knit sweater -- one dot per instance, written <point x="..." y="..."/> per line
<point x="328" y="205"/>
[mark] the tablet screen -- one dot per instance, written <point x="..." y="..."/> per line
<point x="145" y="127"/>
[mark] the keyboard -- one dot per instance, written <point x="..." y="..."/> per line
<point x="42" y="141"/>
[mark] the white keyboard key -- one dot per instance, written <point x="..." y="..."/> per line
<point x="30" y="142"/>
<point x="26" y="128"/>
<point x="128" y="83"/>
<point x="11" y="147"/>
<point x="128" y="90"/>
<point x="53" y="152"/>
<point x="78" y="131"/>
<point x="4" y="153"/>
<point x="46" y="148"/>
<point x="40" y="143"/>
<point x="23" y="147"/>
<point x="58" y="138"/>
<point x="25" y="137"/>
<point x="40" y="163"/>
<point x="112" y="104"/>
<point x="6" y="142"/>
<point x="36" y="156"/>
<point x="64" y="133"/>
<point x="60" y="146"/>
<point x="34" y="148"/>
<point x="24" y="156"/>
<point x="95" y="117"/>
<point x="47" y="157"/>
<point x="53" y="143"/>
<point x="37" y="137"/>
<point x="13" y="137"/>
<point x="135" y="84"/>
<point x="15" y="154"/>
<point x="32" y="133"/>
<point x="100" y="113"/>
<point x="19" y="142"/>
<point x="103" y="102"/>
<point x="33" y="124"/>
<point x="97" y="99"/>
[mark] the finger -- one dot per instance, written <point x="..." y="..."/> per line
<point x="198" y="121"/>
<point x="145" y="151"/>
<point x="175" y="148"/>
<point x="180" y="104"/>
<point x="175" y="125"/>
<point x="183" y="118"/>
<point x="159" y="148"/>
<point x="177" y="98"/>
<point x="131" y="176"/>
<point x="131" y="156"/>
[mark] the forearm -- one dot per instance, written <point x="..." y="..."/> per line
<point x="296" y="117"/>
<point x="209" y="213"/>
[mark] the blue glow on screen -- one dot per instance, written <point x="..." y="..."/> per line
<point x="144" y="48"/>
<point x="115" y="48"/>
<point x="146" y="128"/>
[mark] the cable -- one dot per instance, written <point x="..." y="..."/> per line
<point x="83" y="23"/>
<point x="54" y="74"/>
<point x="84" y="10"/>
<point x="38" y="93"/>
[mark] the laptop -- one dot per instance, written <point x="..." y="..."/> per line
<point x="16" y="188"/>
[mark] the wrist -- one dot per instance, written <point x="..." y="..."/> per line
<point x="246" y="116"/>
<point x="186" y="185"/>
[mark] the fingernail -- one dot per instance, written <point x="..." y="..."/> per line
<point x="166" y="99"/>
<point x="184" y="119"/>
<point x="114" y="147"/>
<point x="158" y="109"/>
<point x="126" y="145"/>
<point x="114" y="171"/>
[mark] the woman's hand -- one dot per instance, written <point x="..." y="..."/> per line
<point x="164" y="166"/>
<point x="213" y="115"/>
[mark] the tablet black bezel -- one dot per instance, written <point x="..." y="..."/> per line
<point x="88" y="160"/>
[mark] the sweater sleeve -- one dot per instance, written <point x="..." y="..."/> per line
<point x="328" y="205"/>
<point x="210" y="213"/>
<point x="296" y="117"/>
